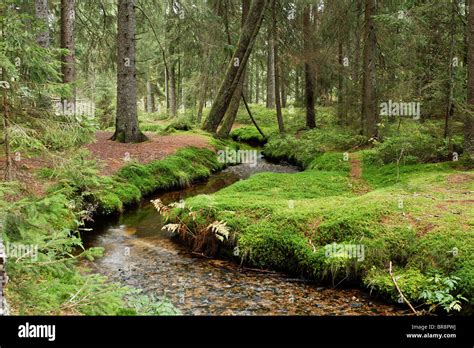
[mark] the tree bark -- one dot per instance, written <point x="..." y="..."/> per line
<point x="205" y="84"/>
<point x="67" y="41"/>
<point x="450" y="82"/>
<point x="172" y="89"/>
<point x="231" y="113"/>
<point x="249" y="83"/>
<point x="257" y="84"/>
<point x="369" y="98"/>
<point x="167" y="90"/>
<point x="126" y="125"/>
<point x="308" y="69"/>
<point x="297" y="85"/>
<point x="41" y="11"/>
<point x="341" y="112"/>
<point x="236" y="66"/>
<point x="6" y="139"/>
<point x="270" y="104"/>
<point x="149" y="96"/>
<point x="283" y="79"/>
<point x="469" y="119"/>
<point x="281" y="127"/>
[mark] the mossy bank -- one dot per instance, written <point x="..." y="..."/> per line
<point x="417" y="216"/>
<point x="51" y="281"/>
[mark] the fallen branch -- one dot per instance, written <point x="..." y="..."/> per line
<point x="251" y="117"/>
<point x="257" y="270"/>
<point x="399" y="291"/>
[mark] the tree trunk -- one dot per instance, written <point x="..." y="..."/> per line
<point x="469" y="119"/>
<point x="236" y="66"/>
<point x="231" y="113"/>
<point x="281" y="127"/>
<point x="179" y="85"/>
<point x="205" y="84"/>
<point x="126" y="125"/>
<point x="270" y="72"/>
<point x="369" y="98"/>
<point x="6" y="139"/>
<point x="172" y="89"/>
<point x="450" y="82"/>
<point x="341" y="116"/>
<point x="257" y="84"/>
<point x="283" y="80"/>
<point x="249" y="83"/>
<point x="149" y="96"/>
<point x="308" y="69"/>
<point x="297" y="85"/>
<point x="67" y="41"/>
<point x="41" y="10"/>
<point x="167" y="90"/>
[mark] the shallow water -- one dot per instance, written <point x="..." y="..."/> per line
<point x="138" y="253"/>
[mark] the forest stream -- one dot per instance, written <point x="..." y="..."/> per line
<point x="139" y="254"/>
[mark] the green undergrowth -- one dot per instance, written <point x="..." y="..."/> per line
<point x="44" y="279"/>
<point x="250" y="135"/>
<point x="132" y="182"/>
<point x="422" y="223"/>
<point x="303" y="150"/>
<point x="53" y="282"/>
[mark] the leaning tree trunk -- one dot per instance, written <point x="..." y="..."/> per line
<point x="231" y="113"/>
<point x="41" y="11"/>
<point x="308" y="69"/>
<point x="369" y="98"/>
<point x="469" y="119"/>
<point x="67" y="41"/>
<point x="126" y="125"/>
<point x="236" y="66"/>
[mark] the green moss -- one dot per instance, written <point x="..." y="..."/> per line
<point x="108" y="202"/>
<point x="249" y="134"/>
<point x="284" y="221"/>
<point x="127" y="193"/>
<point x="134" y="181"/>
<point x="331" y="161"/>
<point x="411" y="282"/>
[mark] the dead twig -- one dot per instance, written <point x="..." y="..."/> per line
<point x="257" y="270"/>
<point x="399" y="291"/>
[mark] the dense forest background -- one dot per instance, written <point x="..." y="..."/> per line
<point x="372" y="100"/>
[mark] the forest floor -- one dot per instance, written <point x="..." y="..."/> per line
<point x="360" y="186"/>
<point x="113" y="155"/>
<point x="110" y="155"/>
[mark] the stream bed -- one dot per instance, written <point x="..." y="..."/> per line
<point x="139" y="254"/>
